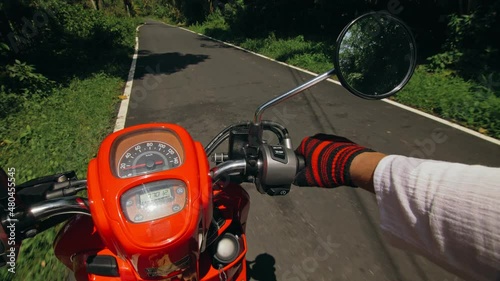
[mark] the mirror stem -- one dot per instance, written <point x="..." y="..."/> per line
<point x="258" y="113"/>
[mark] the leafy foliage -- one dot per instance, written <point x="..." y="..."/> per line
<point x="51" y="33"/>
<point x="24" y="78"/>
<point x="186" y="11"/>
<point x="471" y="47"/>
<point x="62" y="67"/>
<point x="40" y="38"/>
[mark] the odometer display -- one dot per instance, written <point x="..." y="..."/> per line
<point x="154" y="200"/>
<point x="147" y="157"/>
<point x="149" y="197"/>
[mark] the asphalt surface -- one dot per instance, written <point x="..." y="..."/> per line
<point x="311" y="234"/>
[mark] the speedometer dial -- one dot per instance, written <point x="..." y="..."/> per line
<point x="147" y="157"/>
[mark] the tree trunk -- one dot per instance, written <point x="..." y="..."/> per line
<point x="129" y="8"/>
<point x="99" y="4"/>
<point x="93" y="5"/>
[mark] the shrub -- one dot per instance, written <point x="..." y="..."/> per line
<point x="451" y="97"/>
<point x="89" y="39"/>
<point x="26" y="81"/>
<point x="215" y="25"/>
<point x="470" y="47"/>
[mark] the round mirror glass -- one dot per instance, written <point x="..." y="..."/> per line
<point x="376" y="56"/>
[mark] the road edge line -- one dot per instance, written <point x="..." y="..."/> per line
<point x="443" y="121"/>
<point x="122" y="112"/>
<point x="394" y="103"/>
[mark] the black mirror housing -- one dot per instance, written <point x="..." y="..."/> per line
<point x="376" y="55"/>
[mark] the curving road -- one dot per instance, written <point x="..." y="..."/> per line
<point x="311" y="234"/>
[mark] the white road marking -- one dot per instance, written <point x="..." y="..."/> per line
<point x="122" y="112"/>
<point x="443" y="121"/>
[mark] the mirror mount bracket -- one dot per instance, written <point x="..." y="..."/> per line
<point x="255" y="132"/>
<point x="263" y="107"/>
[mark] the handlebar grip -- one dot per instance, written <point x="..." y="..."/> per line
<point x="301" y="163"/>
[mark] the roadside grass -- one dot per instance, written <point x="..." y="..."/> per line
<point x="58" y="99"/>
<point x="452" y="98"/>
<point x="441" y="93"/>
<point x="54" y="134"/>
<point x="316" y="56"/>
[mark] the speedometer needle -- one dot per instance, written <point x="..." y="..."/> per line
<point x="141" y="165"/>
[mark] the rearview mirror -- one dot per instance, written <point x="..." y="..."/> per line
<point x="376" y="55"/>
<point x="375" y="58"/>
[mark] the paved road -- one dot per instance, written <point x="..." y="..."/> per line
<point x="311" y="234"/>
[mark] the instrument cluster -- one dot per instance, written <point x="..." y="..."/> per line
<point x="146" y="152"/>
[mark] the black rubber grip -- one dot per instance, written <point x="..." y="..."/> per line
<point x="301" y="163"/>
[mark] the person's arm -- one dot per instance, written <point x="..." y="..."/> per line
<point x="447" y="212"/>
<point x="363" y="168"/>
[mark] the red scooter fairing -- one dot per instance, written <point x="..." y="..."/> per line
<point x="78" y="242"/>
<point x="150" y="198"/>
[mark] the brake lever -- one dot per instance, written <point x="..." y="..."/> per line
<point x="35" y="190"/>
<point x="56" y="178"/>
<point x="69" y="188"/>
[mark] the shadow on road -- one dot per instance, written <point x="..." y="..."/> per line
<point x="262" y="268"/>
<point x="166" y="63"/>
<point x="212" y="43"/>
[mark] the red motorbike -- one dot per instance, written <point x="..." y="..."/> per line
<point x="156" y="210"/>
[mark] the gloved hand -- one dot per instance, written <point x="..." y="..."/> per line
<point x="328" y="160"/>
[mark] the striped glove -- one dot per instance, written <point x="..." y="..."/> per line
<point x="328" y="160"/>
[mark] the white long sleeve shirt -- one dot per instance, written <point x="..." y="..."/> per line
<point x="447" y="212"/>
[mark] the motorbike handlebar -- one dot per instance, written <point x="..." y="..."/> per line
<point x="273" y="172"/>
<point x="228" y="168"/>
<point x="272" y="168"/>
<point x="59" y="206"/>
<point x="38" y="217"/>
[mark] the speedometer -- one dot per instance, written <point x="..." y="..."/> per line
<point x="147" y="157"/>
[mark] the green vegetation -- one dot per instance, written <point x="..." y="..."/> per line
<point x="53" y="134"/>
<point x="62" y="70"/>
<point x="459" y="77"/>
<point x="455" y="99"/>
<point x="312" y="55"/>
